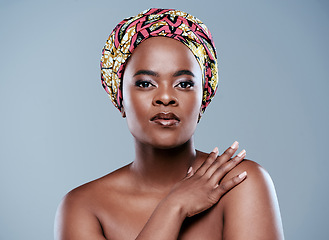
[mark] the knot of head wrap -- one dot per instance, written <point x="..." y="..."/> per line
<point x="130" y="32"/>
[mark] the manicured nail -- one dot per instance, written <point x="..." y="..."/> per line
<point x="215" y="150"/>
<point x="189" y="170"/>
<point x="243" y="152"/>
<point x="235" y="145"/>
<point x="243" y="175"/>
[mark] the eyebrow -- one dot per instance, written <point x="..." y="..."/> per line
<point x="183" y="72"/>
<point x="146" y="72"/>
<point x="155" y="74"/>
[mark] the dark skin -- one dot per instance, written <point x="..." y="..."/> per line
<point x="171" y="190"/>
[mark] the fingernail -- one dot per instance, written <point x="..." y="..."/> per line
<point x="235" y="145"/>
<point x="243" y="152"/>
<point x="189" y="170"/>
<point x="215" y="150"/>
<point x="243" y="175"/>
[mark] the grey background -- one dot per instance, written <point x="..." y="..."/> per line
<point x="58" y="129"/>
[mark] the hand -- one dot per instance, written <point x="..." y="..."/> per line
<point x="203" y="188"/>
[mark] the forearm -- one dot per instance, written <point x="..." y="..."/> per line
<point x="197" y="192"/>
<point x="164" y="223"/>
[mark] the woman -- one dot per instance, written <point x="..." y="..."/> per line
<point x="160" y="70"/>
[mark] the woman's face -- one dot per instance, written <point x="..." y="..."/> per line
<point x="162" y="92"/>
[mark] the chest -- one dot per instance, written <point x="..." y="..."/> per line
<point x="124" y="219"/>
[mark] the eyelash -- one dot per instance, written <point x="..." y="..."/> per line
<point x="140" y="84"/>
<point x="147" y="84"/>
<point x="189" y="82"/>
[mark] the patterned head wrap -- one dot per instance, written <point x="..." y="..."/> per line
<point x="152" y="23"/>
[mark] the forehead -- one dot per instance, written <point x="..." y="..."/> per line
<point x="163" y="54"/>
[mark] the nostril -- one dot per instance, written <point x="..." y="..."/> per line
<point x="171" y="102"/>
<point x="166" y="101"/>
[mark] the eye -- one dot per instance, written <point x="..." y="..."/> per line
<point x="143" y="84"/>
<point x="185" y="84"/>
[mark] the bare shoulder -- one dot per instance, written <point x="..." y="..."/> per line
<point x="78" y="209"/>
<point x="255" y="172"/>
<point x="252" y="206"/>
<point x="258" y="180"/>
<point x="91" y="191"/>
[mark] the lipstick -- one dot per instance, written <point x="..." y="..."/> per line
<point x="166" y="119"/>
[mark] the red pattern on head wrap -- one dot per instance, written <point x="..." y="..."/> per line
<point x="130" y="32"/>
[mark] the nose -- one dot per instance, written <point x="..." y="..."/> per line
<point x="165" y="96"/>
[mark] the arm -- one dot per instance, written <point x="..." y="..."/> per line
<point x="194" y="194"/>
<point x="75" y="221"/>
<point x="252" y="207"/>
<point x="198" y="191"/>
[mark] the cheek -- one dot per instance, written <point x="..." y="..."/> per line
<point x="131" y="106"/>
<point x="195" y="99"/>
<point x="134" y="113"/>
<point x="128" y="98"/>
<point x="191" y="105"/>
<point x="136" y="106"/>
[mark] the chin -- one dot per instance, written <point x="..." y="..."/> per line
<point x="163" y="138"/>
<point x="168" y="143"/>
<point x="166" y="146"/>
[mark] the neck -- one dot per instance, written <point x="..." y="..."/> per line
<point x="160" y="169"/>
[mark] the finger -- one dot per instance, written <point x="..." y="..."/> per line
<point x="228" y="185"/>
<point x="226" y="156"/>
<point x="222" y="170"/>
<point x="205" y="165"/>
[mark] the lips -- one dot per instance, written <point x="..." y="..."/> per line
<point x="166" y="119"/>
